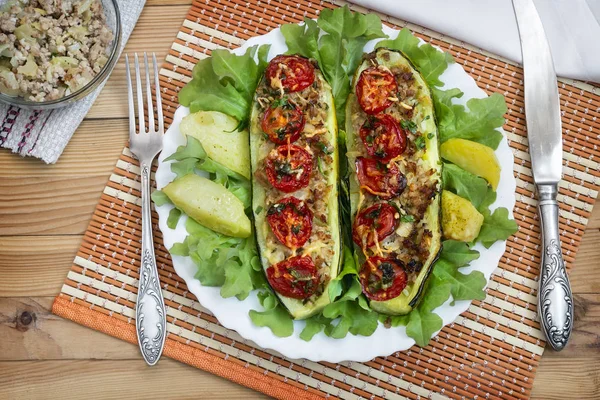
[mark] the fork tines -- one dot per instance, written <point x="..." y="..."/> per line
<point x="140" y="99"/>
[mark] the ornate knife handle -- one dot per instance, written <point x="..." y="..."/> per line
<point x="151" y="318"/>
<point x="555" y="300"/>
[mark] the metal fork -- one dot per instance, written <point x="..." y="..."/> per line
<point x="150" y="317"/>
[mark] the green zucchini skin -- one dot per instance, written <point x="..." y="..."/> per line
<point x="427" y="127"/>
<point x="259" y="147"/>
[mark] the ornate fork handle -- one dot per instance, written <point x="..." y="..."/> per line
<point x="151" y="321"/>
<point x="555" y="297"/>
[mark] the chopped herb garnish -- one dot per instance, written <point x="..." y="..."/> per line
<point x="258" y="210"/>
<point x="323" y="147"/>
<point x="430" y="135"/>
<point x="420" y="142"/>
<point x="281" y="102"/>
<point x="426" y="118"/>
<point x="319" y="165"/>
<point x="276" y="209"/>
<point x="407" y="218"/>
<point x="409" y="125"/>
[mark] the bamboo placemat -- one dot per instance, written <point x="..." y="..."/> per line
<point x="490" y="351"/>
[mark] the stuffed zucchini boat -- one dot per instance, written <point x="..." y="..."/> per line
<point x="395" y="180"/>
<point x="294" y="157"/>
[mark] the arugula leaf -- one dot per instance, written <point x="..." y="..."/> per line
<point x="275" y="317"/>
<point x="173" y="218"/>
<point x="241" y="71"/>
<point x="496" y="226"/>
<point x="338" y="50"/>
<point x="352" y="317"/>
<point x="436" y="294"/>
<point x="314" y="325"/>
<point x="422" y="324"/>
<point x="458" y="253"/>
<point x="225" y="82"/>
<point x="395" y="320"/>
<point x="464" y="184"/>
<point x="477" y="123"/>
<point x="348" y="268"/>
<point x="303" y="39"/>
<point x="462" y="287"/>
<point x="488" y="200"/>
<point x="430" y="61"/>
<point x="160" y="198"/>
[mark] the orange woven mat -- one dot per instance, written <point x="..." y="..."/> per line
<point x="490" y="351"/>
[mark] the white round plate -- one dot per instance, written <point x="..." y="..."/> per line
<point x="233" y="314"/>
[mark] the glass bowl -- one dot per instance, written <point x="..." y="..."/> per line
<point x="113" y="19"/>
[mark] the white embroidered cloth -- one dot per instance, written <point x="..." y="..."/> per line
<point x="45" y="134"/>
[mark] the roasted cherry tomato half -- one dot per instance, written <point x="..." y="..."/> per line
<point x="289" y="167"/>
<point x="291" y="221"/>
<point x="283" y="123"/>
<point x="379" y="179"/>
<point x="382" y="278"/>
<point x="295" y="73"/>
<point x="373" y="224"/>
<point x="375" y="89"/>
<point x="383" y="137"/>
<point x="295" y="277"/>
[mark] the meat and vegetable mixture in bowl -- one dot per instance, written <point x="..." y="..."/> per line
<point x="53" y="52"/>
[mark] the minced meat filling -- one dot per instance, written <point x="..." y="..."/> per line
<point x="51" y="48"/>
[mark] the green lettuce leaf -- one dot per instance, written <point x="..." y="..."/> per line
<point x="225" y="82"/>
<point x="464" y="184"/>
<point x="159" y="198"/>
<point x="173" y="218"/>
<point x="430" y="61"/>
<point x="496" y="226"/>
<point x="274" y="317"/>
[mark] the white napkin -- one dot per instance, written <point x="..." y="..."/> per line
<point x="572" y="28"/>
<point x="45" y="134"/>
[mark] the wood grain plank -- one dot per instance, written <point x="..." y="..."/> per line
<point x="129" y="379"/>
<point x="49" y="337"/>
<point x="29" y="331"/>
<point x="48" y="205"/>
<point x="154" y="32"/>
<point x="93" y="151"/>
<point x="35" y="266"/>
<point x="585" y="272"/>
<point x="567" y="378"/>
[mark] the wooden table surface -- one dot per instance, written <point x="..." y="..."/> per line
<point x="44" y="211"/>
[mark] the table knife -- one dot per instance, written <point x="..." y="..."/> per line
<point x="544" y="132"/>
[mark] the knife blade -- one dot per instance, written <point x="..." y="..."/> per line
<point x="544" y="133"/>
